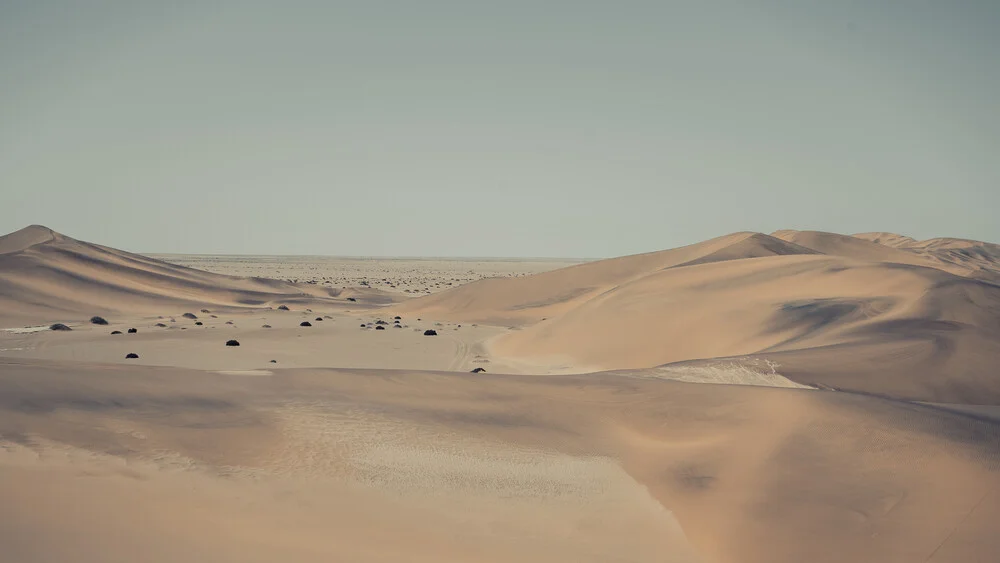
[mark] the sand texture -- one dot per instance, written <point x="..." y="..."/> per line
<point x="753" y="398"/>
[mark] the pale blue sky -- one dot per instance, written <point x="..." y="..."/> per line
<point x="513" y="128"/>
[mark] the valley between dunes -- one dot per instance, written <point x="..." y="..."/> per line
<point x="798" y="396"/>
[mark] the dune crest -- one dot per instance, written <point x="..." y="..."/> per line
<point x="44" y="273"/>
<point x="813" y="302"/>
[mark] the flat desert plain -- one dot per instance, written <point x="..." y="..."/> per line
<point x="787" y="397"/>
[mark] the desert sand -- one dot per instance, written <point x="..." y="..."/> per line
<point x="799" y="396"/>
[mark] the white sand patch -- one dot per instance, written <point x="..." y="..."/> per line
<point x="739" y="371"/>
<point x="25" y="330"/>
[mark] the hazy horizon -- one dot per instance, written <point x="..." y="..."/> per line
<point x="447" y="129"/>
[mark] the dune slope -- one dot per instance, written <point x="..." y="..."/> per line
<point x="45" y="275"/>
<point x="319" y="465"/>
<point x="812" y="302"/>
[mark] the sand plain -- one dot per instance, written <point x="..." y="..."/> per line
<point x="754" y="398"/>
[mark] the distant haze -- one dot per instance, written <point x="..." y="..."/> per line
<point x="513" y="128"/>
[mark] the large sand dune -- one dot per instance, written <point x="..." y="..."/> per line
<point x="875" y="318"/>
<point x="753" y="398"/>
<point x="44" y="274"/>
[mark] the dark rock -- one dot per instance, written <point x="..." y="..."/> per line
<point x="305" y="323"/>
<point x="232" y="343"/>
<point x="199" y="323"/>
<point x="265" y="326"/>
<point x="351" y="299"/>
<point x="274" y="361"/>
<point x="131" y="356"/>
<point x="133" y="330"/>
<point x="190" y="316"/>
<point x="161" y="325"/>
<point x="229" y="322"/>
<point x="206" y="311"/>
<point x="363" y="325"/>
<point x="98" y="321"/>
<point x="380" y="327"/>
<point x="59" y="326"/>
<point x="397" y="326"/>
<point x="116" y="332"/>
<point x="381" y="322"/>
<point x="430" y="332"/>
<point x="283" y="308"/>
<point x="319" y="318"/>
<point x="478" y="370"/>
<point x="398" y="318"/>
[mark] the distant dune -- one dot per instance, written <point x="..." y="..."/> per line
<point x="44" y="274"/>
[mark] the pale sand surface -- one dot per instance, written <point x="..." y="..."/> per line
<point x="753" y="398"/>
<point x="403" y="275"/>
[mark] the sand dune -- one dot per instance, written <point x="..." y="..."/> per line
<point x="44" y="274"/>
<point x="971" y="258"/>
<point x="749" y="399"/>
<point x="924" y="332"/>
<point x="383" y="466"/>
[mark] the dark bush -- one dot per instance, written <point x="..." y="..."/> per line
<point x="133" y="330"/>
<point x="206" y="311"/>
<point x="232" y="343"/>
<point x="116" y="332"/>
<point x="98" y="321"/>
<point x="478" y="370"/>
<point x="161" y="325"/>
<point x="319" y="318"/>
<point x="430" y="332"/>
<point x="305" y="323"/>
<point x="190" y="316"/>
<point x="380" y="327"/>
<point x="59" y="326"/>
<point x="265" y="326"/>
<point x="131" y="356"/>
<point x="198" y="323"/>
<point x="283" y="308"/>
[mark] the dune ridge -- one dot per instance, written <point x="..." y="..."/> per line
<point x="814" y="303"/>
<point x="44" y="274"/>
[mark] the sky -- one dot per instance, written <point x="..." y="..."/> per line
<point x="561" y="128"/>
